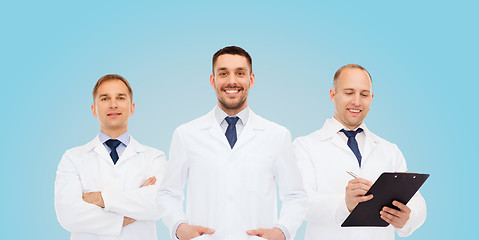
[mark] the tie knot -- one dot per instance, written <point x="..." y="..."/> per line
<point x="113" y="143"/>
<point x="350" y="134"/>
<point x="232" y="120"/>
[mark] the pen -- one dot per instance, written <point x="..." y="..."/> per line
<point x="352" y="174"/>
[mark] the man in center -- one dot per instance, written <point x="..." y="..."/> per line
<point x="233" y="160"/>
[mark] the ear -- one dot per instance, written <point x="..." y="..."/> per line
<point x="132" y="108"/>
<point x="212" y="80"/>
<point x="372" y="96"/>
<point x="93" y="110"/>
<point x="332" y="94"/>
<point x="251" y="80"/>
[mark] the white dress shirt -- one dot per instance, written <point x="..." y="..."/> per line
<point x="324" y="157"/>
<point x="89" y="168"/>
<point x="221" y="118"/>
<point x="233" y="190"/>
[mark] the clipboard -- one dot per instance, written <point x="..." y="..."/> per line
<point x="390" y="186"/>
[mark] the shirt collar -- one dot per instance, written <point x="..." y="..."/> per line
<point x="337" y="126"/>
<point x="220" y="115"/>
<point x="124" y="138"/>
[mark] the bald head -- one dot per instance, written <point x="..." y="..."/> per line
<point x="349" y="66"/>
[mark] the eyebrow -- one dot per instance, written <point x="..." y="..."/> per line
<point x="352" y="89"/>
<point x="238" y="68"/>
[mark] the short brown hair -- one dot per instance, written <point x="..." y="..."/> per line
<point x="233" y="50"/>
<point x="336" y="75"/>
<point x="110" y="77"/>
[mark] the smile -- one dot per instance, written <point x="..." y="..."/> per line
<point x="232" y="91"/>
<point x="354" y="110"/>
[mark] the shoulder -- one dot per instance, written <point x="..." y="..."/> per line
<point x="196" y="124"/>
<point x="383" y="143"/>
<point x="149" y="151"/>
<point x="271" y="127"/>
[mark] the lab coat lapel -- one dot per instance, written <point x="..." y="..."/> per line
<point x="369" y="143"/>
<point x="130" y="151"/>
<point x="211" y="125"/>
<point x="249" y="130"/>
<point x="330" y="132"/>
<point x="99" y="149"/>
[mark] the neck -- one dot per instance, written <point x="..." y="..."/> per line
<point x="346" y="125"/>
<point x="114" y="133"/>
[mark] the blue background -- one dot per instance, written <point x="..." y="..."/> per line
<point x="421" y="55"/>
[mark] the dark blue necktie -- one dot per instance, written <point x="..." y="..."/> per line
<point x="352" y="143"/>
<point x="231" y="130"/>
<point x="113" y="144"/>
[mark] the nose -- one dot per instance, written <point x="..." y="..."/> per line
<point x="356" y="99"/>
<point x="231" y="79"/>
<point x="113" y="103"/>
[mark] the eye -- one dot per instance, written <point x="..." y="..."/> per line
<point x="240" y="73"/>
<point x="222" y="74"/>
<point x="103" y="99"/>
<point x="121" y="98"/>
<point x="348" y="93"/>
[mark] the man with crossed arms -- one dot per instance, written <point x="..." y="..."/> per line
<point x="107" y="188"/>
<point x="232" y="160"/>
<point x="344" y="143"/>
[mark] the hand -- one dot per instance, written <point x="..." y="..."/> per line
<point x="270" y="234"/>
<point x="397" y="218"/>
<point x="355" y="192"/>
<point x="187" y="232"/>
<point x="127" y="220"/>
<point x="94" y="198"/>
<point x="149" y="181"/>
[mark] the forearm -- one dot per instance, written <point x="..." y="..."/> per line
<point x="139" y="204"/>
<point x="73" y="213"/>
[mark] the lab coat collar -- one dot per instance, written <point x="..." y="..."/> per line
<point x="133" y="148"/>
<point x="330" y="131"/>
<point x="254" y="124"/>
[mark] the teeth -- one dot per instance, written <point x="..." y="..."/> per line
<point x="231" y="91"/>
<point x="354" y="110"/>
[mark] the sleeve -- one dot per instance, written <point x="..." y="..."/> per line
<point x="417" y="204"/>
<point x="171" y="193"/>
<point x="291" y="191"/>
<point x="76" y="215"/>
<point x="139" y="204"/>
<point x="322" y="207"/>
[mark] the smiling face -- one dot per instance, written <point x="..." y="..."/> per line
<point x="352" y="97"/>
<point x="231" y="79"/>
<point x="113" y="107"/>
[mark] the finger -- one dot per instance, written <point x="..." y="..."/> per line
<point x="149" y="181"/>
<point x="357" y="192"/>
<point x="392" y="211"/>
<point x="256" y="232"/>
<point x="387" y="217"/>
<point x="204" y="230"/>
<point x="365" y="198"/>
<point x="358" y="186"/>
<point x="362" y="181"/>
<point x="402" y="206"/>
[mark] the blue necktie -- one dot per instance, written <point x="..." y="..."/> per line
<point x="352" y="143"/>
<point x="113" y="144"/>
<point x="231" y="130"/>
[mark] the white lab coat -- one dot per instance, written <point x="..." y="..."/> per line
<point x="324" y="159"/>
<point x="233" y="190"/>
<point x="89" y="168"/>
